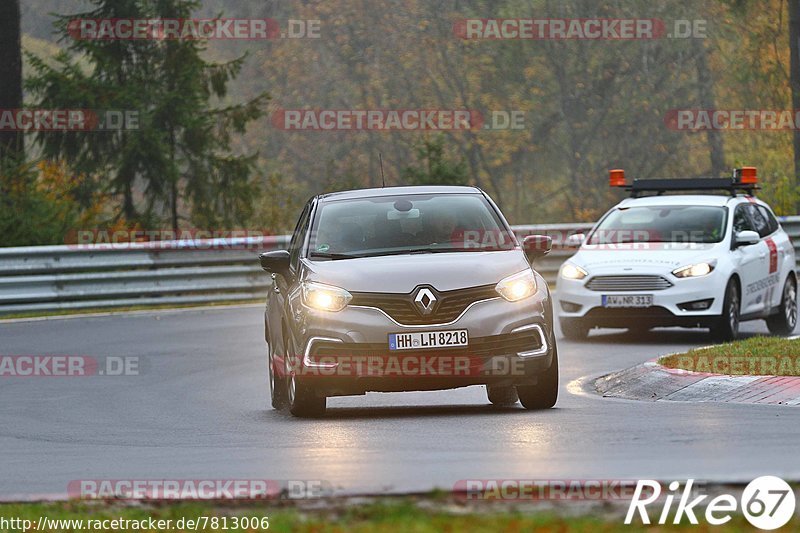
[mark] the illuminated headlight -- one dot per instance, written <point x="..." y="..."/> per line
<point x="570" y="271"/>
<point x="325" y="297"/>
<point x="693" y="271"/>
<point x="517" y="287"/>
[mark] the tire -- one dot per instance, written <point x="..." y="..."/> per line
<point x="544" y="394"/>
<point x="300" y="396"/>
<point x="277" y="385"/>
<point x="784" y="322"/>
<point x="574" y="329"/>
<point x="305" y="402"/>
<point x="502" y="395"/>
<point x="726" y="326"/>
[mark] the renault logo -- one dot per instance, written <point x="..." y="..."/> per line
<point x="425" y="301"/>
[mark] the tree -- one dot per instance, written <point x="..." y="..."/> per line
<point x="11" y="142"/>
<point x="181" y="150"/>
<point x="198" y="136"/>
<point x="588" y="105"/>
<point x="37" y="206"/>
<point x="435" y="168"/>
<point x="794" y="77"/>
<point x="705" y="85"/>
<point x="113" y="74"/>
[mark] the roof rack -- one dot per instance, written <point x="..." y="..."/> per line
<point x="743" y="179"/>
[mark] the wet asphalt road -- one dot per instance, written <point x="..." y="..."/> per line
<point x="199" y="411"/>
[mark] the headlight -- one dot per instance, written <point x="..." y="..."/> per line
<point x="325" y="297"/>
<point x="693" y="271"/>
<point x="516" y="287"/>
<point x="570" y="271"/>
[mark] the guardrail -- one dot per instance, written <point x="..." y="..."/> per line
<point x="52" y="278"/>
<point x="66" y="277"/>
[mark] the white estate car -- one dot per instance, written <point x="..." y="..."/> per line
<point x="691" y="260"/>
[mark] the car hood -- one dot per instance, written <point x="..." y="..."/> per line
<point x="402" y="273"/>
<point x="652" y="257"/>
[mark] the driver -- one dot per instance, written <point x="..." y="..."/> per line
<point x="442" y="226"/>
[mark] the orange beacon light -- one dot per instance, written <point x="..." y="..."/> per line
<point x="616" y="178"/>
<point x="748" y="175"/>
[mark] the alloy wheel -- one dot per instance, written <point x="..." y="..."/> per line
<point x="733" y="312"/>
<point x="291" y="385"/>
<point x="790" y="304"/>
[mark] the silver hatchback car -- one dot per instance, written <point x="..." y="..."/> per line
<point x="408" y="288"/>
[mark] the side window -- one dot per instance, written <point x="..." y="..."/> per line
<point x="760" y="223"/>
<point x="741" y="222"/>
<point x="771" y="222"/>
<point x="298" y="237"/>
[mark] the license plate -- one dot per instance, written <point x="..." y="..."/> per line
<point x="628" y="300"/>
<point x="428" y="339"/>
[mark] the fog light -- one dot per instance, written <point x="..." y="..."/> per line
<point x="697" y="305"/>
<point x="570" y="307"/>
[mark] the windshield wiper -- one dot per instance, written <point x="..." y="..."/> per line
<point x="329" y="255"/>
<point x="413" y="251"/>
<point x="404" y="251"/>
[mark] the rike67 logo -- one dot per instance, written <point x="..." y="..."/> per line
<point x="768" y="502"/>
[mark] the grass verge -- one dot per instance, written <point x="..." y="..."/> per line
<point x="758" y="356"/>
<point x="403" y="514"/>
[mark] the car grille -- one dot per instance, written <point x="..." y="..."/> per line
<point x="597" y="314"/>
<point x="402" y="309"/>
<point x="479" y="347"/>
<point x="628" y="283"/>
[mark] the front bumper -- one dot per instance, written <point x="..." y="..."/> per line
<point x="348" y="352"/>
<point x="670" y="306"/>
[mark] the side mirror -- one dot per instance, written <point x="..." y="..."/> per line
<point x="536" y="246"/>
<point x="575" y="240"/>
<point x="746" y="238"/>
<point x="275" y="262"/>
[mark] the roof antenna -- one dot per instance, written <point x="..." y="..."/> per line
<point x="383" y="178"/>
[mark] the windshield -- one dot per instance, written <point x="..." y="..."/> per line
<point x="682" y="224"/>
<point x="406" y="224"/>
